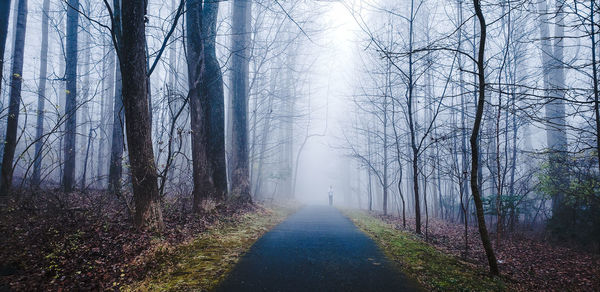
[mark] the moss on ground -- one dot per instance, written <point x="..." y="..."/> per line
<point x="200" y="265"/>
<point x="432" y="268"/>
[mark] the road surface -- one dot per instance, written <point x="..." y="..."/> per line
<point x="316" y="249"/>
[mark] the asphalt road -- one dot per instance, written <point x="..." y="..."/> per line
<point x="316" y="249"/>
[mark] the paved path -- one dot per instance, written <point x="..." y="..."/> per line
<point x="316" y="249"/>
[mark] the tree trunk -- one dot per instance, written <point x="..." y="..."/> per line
<point x="71" y="96"/>
<point x="485" y="239"/>
<point x="594" y="80"/>
<point x="88" y="148"/>
<point x="385" y="158"/>
<point x="412" y="126"/>
<point x="426" y="208"/>
<point x="107" y="95"/>
<point x="85" y="122"/>
<point x="115" y="170"/>
<point x="370" y="199"/>
<point x="463" y="170"/>
<point x="203" y="185"/>
<point x="399" y="155"/>
<point x="132" y="59"/>
<point x="240" y="176"/>
<point x="16" y="80"/>
<point x="212" y="91"/>
<point x="37" y="164"/>
<point x="4" y="14"/>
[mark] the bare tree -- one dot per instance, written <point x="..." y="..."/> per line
<point x="16" y="81"/>
<point x="474" y="140"/>
<point x="132" y="59"/>
<point x="41" y="96"/>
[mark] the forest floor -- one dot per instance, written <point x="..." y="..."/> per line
<point x="78" y="242"/>
<point x="527" y="263"/>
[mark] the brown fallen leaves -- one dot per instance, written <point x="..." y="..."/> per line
<point x="79" y="242"/>
<point x="531" y="263"/>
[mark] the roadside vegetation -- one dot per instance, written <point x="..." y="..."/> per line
<point x="86" y="242"/>
<point x="203" y="262"/>
<point x="421" y="261"/>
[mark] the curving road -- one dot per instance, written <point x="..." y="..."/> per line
<point x="316" y="249"/>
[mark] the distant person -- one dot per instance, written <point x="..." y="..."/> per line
<point x="330" y="196"/>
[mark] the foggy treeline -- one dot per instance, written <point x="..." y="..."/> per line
<point x="506" y="88"/>
<point x="203" y="103"/>
<point x="484" y="113"/>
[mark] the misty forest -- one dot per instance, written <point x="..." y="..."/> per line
<point x="299" y="145"/>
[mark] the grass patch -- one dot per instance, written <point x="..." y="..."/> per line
<point x="200" y="265"/>
<point x="432" y="268"/>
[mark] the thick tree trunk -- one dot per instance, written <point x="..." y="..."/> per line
<point x="39" y="131"/>
<point x="4" y="14"/>
<point x="71" y="97"/>
<point x="203" y="185"/>
<point x="212" y="92"/>
<point x="485" y="239"/>
<point x="132" y="59"/>
<point x="240" y="176"/>
<point x="16" y="80"/>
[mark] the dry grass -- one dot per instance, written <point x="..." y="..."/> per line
<point x="202" y="263"/>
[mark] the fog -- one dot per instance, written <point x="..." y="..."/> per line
<point x="322" y="164"/>
<point x="279" y="100"/>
